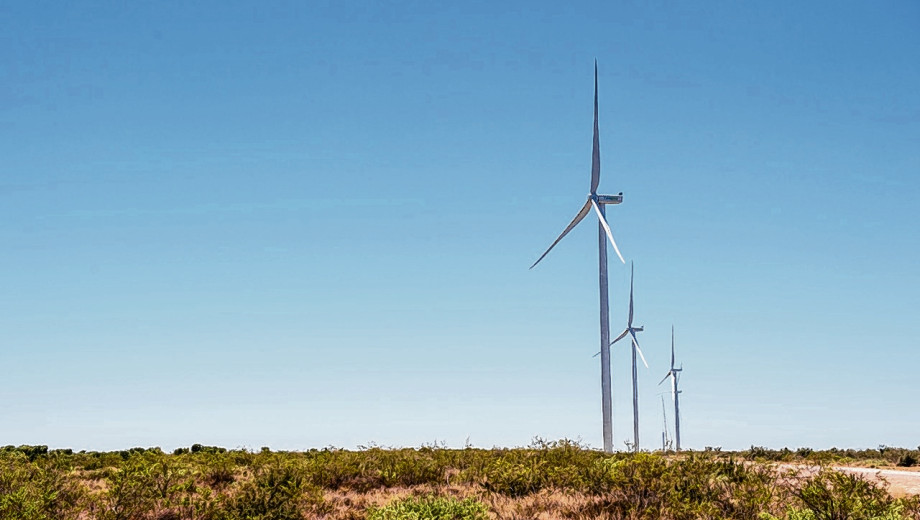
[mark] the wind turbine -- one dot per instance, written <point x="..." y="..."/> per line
<point x="631" y="331"/>
<point x="675" y="393"/>
<point x="597" y="203"/>
<point x="664" y="432"/>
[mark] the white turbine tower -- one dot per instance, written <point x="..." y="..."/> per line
<point x="597" y="203"/>
<point x="675" y="393"/>
<point x="631" y="331"/>
<point x="665" y="441"/>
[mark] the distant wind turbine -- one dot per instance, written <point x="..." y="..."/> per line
<point x="631" y="331"/>
<point x="673" y="373"/>
<point x="597" y="203"/>
<point x="664" y="432"/>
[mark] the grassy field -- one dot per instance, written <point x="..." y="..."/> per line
<point x="547" y="480"/>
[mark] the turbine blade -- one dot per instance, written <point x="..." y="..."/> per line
<point x="636" y="343"/>
<point x="621" y="336"/>
<point x="582" y="213"/>
<point x="603" y="221"/>
<point x="665" y="378"/>
<point x="596" y="151"/>
<point x="672" y="347"/>
<point x="598" y="354"/>
<point x="631" y="272"/>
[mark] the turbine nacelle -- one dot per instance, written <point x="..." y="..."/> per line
<point x="607" y="199"/>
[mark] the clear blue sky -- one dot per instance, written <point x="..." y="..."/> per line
<point x="309" y="224"/>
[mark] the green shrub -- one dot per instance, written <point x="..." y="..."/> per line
<point x="30" y="492"/>
<point x="129" y="491"/>
<point x="201" y="448"/>
<point x="431" y="508"/>
<point x="32" y="452"/>
<point x="515" y="478"/>
<point x="832" y="495"/>
<point x="276" y="492"/>
<point x="636" y="487"/>
<point x="406" y="467"/>
<point x="907" y="460"/>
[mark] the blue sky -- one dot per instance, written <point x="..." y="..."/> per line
<point x="309" y="224"/>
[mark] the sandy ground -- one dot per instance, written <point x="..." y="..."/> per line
<point x="900" y="481"/>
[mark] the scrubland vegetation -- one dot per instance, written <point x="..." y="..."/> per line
<point x="547" y="480"/>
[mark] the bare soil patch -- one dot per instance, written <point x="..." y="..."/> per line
<point x="900" y="482"/>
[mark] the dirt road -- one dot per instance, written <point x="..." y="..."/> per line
<point x="900" y="482"/>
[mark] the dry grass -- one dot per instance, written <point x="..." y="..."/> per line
<point x="543" y="505"/>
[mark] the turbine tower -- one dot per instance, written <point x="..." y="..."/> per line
<point x="665" y="441"/>
<point x="675" y="393"/>
<point x="631" y="331"/>
<point x="597" y="203"/>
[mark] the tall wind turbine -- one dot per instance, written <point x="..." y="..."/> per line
<point x="631" y="331"/>
<point x="597" y="203"/>
<point x="675" y="393"/>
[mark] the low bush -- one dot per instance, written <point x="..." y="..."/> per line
<point x="31" y="492"/>
<point x="276" y="492"/>
<point x="431" y="508"/>
<point x="907" y="460"/>
<point x="831" y="495"/>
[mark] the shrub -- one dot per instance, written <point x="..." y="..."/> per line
<point x="29" y="492"/>
<point x="200" y="448"/>
<point x="907" y="460"/>
<point x="431" y="508"/>
<point x="831" y="495"/>
<point x="633" y="487"/>
<point x="130" y="491"/>
<point x="515" y="478"/>
<point x="406" y="467"/>
<point x="32" y="452"/>
<point x="276" y="492"/>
